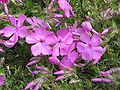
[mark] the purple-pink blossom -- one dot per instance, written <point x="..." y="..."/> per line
<point x="62" y="40"/>
<point x="18" y="30"/>
<point x="37" y="37"/>
<point x="90" y="47"/>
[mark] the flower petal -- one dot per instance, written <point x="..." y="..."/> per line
<point x="31" y="38"/>
<point x="85" y="38"/>
<point x="64" y="49"/>
<point x="51" y="39"/>
<point x="21" y="20"/>
<point x="87" y="26"/>
<point x="36" y="49"/>
<point x="87" y="54"/>
<point x="61" y="33"/>
<point x="46" y="49"/>
<point x="97" y="52"/>
<point x="12" y="41"/>
<point x="54" y="60"/>
<point x="95" y="41"/>
<point x="8" y="31"/>
<point x="68" y="39"/>
<point x="73" y="56"/>
<point x="13" y="20"/>
<point x="56" y="50"/>
<point x="22" y="31"/>
<point x="81" y="47"/>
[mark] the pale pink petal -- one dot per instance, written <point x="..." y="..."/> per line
<point x="59" y="72"/>
<point x="105" y="31"/>
<point x="51" y="39"/>
<point x="64" y="49"/>
<point x="97" y="60"/>
<point x="12" y="41"/>
<point x="59" y="78"/>
<point x="95" y="41"/>
<point x="41" y="33"/>
<point x="81" y="47"/>
<point x="30" y="85"/>
<point x="36" y="49"/>
<point x="73" y="56"/>
<point x="56" y="50"/>
<point x="6" y="9"/>
<point x="65" y="63"/>
<point x="13" y="20"/>
<point x="68" y="39"/>
<point x="46" y="49"/>
<point x="61" y="33"/>
<point x="97" y="52"/>
<point x="31" y="38"/>
<point x="87" y="54"/>
<point x="21" y="20"/>
<point x="85" y="38"/>
<point x="22" y="31"/>
<point x="54" y="60"/>
<point x="87" y="26"/>
<point x="40" y="22"/>
<point x="67" y="13"/>
<point x="29" y="20"/>
<point x="8" y="31"/>
<point x="71" y="47"/>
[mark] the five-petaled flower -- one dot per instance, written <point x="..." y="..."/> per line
<point x="90" y="47"/>
<point x="62" y="42"/>
<point x="37" y="37"/>
<point x="15" y="31"/>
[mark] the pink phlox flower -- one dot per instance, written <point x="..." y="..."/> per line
<point x="64" y="5"/>
<point x="62" y="42"/>
<point x="35" y="22"/>
<point x="67" y="61"/>
<point x="90" y="47"/>
<point x="15" y="31"/>
<point x="37" y="37"/>
<point x="2" y="80"/>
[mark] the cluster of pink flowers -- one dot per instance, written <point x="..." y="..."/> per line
<point x="63" y="47"/>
